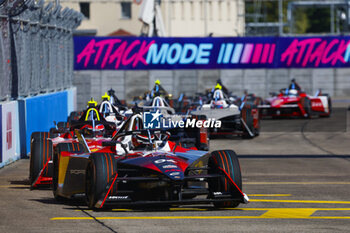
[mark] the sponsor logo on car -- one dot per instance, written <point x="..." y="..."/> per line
<point x="169" y="166"/>
<point x="77" y="172"/>
<point x="164" y="160"/>
<point x="118" y="197"/>
<point x="155" y="120"/>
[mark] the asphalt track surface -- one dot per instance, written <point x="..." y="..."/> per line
<point x="297" y="181"/>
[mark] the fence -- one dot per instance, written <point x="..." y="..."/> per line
<point x="36" y="47"/>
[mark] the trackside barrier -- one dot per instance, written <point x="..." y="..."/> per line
<point x="9" y="133"/>
<point x="72" y="99"/>
<point x="19" y="119"/>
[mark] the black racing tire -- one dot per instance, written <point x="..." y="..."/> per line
<point x="41" y="135"/>
<point x="99" y="173"/>
<point x="330" y="106"/>
<point x="306" y="103"/>
<point x="41" y="151"/>
<point x="228" y="161"/>
<point x="74" y="147"/>
<point x="247" y="116"/>
<point x="74" y="116"/>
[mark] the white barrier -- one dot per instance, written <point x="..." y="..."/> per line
<point x="72" y="100"/>
<point x="10" y="133"/>
<point x="18" y="120"/>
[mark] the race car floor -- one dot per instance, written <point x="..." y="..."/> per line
<point x="297" y="182"/>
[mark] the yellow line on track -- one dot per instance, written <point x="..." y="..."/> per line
<point x="300" y="201"/>
<point x="270" y="213"/>
<point x="15" y="186"/>
<point x="194" y="217"/>
<point x="296" y="183"/>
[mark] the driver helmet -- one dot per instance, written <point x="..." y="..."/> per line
<point x="293" y="92"/>
<point x="218" y="86"/>
<point x="140" y="139"/>
<point x="157" y="82"/>
<point x="97" y="131"/>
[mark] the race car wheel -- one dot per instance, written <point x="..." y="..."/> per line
<point x="248" y="118"/>
<point x="329" y="106"/>
<point x="306" y="103"/>
<point x="73" y="147"/>
<point x="40" y="153"/>
<point x="99" y="172"/>
<point x="225" y="160"/>
<point x="63" y="125"/>
<point x="74" y="116"/>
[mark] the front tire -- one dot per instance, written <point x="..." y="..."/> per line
<point x="228" y="161"/>
<point x="40" y="153"/>
<point x="99" y="173"/>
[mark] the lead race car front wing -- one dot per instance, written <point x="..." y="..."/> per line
<point x="121" y="198"/>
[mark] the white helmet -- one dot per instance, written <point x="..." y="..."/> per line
<point x="293" y="92"/>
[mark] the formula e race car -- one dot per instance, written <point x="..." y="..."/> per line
<point x="296" y="103"/>
<point x="43" y="144"/>
<point x="188" y="136"/>
<point x="243" y="120"/>
<point x="142" y="167"/>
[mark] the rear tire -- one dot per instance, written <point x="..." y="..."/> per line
<point x="306" y="102"/>
<point x="40" y="153"/>
<point x="247" y="117"/>
<point x="228" y="161"/>
<point x="99" y="172"/>
<point x="73" y="147"/>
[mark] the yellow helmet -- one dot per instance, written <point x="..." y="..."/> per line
<point x="157" y="82"/>
<point x="218" y="86"/>
<point x="106" y="97"/>
<point x="92" y="103"/>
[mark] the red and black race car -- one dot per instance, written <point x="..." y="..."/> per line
<point x="296" y="103"/>
<point x="142" y="167"/>
<point x="43" y="144"/>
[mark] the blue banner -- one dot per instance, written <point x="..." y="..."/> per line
<point x="140" y="53"/>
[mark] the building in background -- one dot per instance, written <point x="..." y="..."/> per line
<point x="181" y="18"/>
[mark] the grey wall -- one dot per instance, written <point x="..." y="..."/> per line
<point x="127" y="84"/>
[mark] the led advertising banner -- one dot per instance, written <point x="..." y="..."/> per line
<point x="140" y="53"/>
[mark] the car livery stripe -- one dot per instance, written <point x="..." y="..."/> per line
<point x="232" y="181"/>
<point x="109" y="190"/>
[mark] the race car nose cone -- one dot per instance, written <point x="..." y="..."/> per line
<point x="171" y="170"/>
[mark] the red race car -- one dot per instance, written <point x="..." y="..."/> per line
<point x="296" y="103"/>
<point x="43" y="144"/>
<point x="143" y="167"/>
